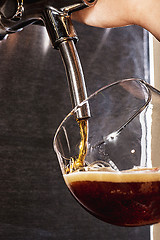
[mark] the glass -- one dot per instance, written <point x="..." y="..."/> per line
<point x="110" y="161"/>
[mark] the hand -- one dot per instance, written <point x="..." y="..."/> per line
<point x="117" y="13"/>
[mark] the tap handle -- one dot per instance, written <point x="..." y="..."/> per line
<point x="9" y="8"/>
<point x="16" y="14"/>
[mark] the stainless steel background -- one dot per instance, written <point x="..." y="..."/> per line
<point x="34" y="98"/>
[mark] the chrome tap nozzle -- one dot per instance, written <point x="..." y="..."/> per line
<point x="55" y="15"/>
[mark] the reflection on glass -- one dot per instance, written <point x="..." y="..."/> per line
<point x="110" y="161"/>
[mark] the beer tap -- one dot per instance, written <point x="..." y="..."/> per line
<point x="55" y="15"/>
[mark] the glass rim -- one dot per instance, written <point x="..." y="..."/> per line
<point x="143" y="82"/>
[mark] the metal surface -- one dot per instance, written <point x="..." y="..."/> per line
<point x="17" y="14"/>
<point x="55" y="15"/>
<point x="59" y="27"/>
<point x="75" y="77"/>
<point x="63" y="37"/>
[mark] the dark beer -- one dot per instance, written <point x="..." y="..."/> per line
<point x="130" y="198"/>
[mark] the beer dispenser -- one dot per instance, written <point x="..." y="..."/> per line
<point x="55" y="16"/>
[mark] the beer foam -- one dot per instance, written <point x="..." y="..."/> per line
<point x="148" y="175"/>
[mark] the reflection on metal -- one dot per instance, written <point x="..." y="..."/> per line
<point x="45" y="41"/>
<point x="75" y="77"/>
<point x="33" y="11"/>
<point x="20" y="10"/>
<point x="55" y="15"/>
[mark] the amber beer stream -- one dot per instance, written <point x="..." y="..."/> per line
<point x="108" y="160"/>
